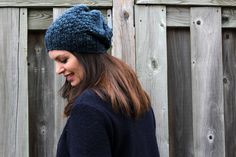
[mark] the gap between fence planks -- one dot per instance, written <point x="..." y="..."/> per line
<point x="180" y="92"/>
<point x="229" y="62"/>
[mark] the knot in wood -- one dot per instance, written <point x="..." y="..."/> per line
<point x="225" y="80"/>
<point x="154" y="64"/>
<point x="225" y="18"/>
<point x="126" y="14"/>
<point x="38" y="50"/>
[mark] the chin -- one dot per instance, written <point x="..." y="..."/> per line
<point x="73" y="84"/>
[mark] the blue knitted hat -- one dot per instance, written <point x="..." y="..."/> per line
<point x="79" y="30"/>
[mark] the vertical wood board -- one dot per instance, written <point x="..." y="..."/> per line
<point x="151" y="65"/>
<point x="229" y="60"/>
<point x="123" y="42"/>
<point x="9" y="81"/>
<point x="41" y="97"/>
<point x="180" y="92"/>
<point x="207" y="85"/>
<point x="22" y="149"/>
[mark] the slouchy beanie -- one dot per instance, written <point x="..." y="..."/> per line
<point x="79" y="30"/>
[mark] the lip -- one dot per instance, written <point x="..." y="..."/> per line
<point x="69" y="77"/>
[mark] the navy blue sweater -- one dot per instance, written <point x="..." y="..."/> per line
<point x="95" y="130"/>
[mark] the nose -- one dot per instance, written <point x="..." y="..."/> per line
<point x="59" y="68"/>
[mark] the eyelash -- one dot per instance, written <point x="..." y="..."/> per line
<point x="63" y="61"/>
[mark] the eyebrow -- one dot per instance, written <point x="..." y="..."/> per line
<point x="59" y="56"/>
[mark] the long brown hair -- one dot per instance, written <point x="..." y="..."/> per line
<point x="112" y="80"/>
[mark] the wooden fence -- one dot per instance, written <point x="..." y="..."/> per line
<point x="183" y="52"/>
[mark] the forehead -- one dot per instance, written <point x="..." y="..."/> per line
<point x="55" y="53"/>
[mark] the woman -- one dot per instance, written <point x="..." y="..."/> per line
<point x="109" y="113"/>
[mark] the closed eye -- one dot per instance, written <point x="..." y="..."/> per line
<point x="63" y="61"/>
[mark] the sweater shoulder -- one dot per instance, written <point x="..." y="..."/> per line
<point x="90" y="99"/>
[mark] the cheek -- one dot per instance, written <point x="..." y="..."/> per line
<point x="79" y="72"/>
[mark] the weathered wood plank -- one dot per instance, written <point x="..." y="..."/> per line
<point x="180" y="92"/>
<point x="9" y="83"/>
<point x="123" y="45"/>
<point x="41" y="97"/>
<point x="207" y="84"/>
<point x="22" y="149"/>
<point x="190" y="2"/>
<point x="229" y="18"/>
<point x="39" y="19"/>
<point x="178" y="16"/>
<point x="151" y="65"/>
<point x="53" y="3"/>
<point x="229" y="60"/>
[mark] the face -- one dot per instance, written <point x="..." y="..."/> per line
<point x="67" y="65"/>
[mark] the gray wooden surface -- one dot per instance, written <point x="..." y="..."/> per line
<point x="207" y="84"/>
<point x="39" y="19"/>
<point x="13" y="83"/>
<point x="229" y="62"/>
<point x="180" y="93"/>
<point x="22" y="142"/>
<point x="53" y="3"/>
<point x="190" y="2"/>
<point x="123" y="45"/>
<point x="41" y="97"/>
<point x="180" y="17"/>
<point x="229" y="17"/>
<point x="151" y="65"/>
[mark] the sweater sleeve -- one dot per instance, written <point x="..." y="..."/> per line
<point x="87" y="135"/>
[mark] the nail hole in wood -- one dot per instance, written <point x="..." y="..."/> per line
<point x="198" y="22"/>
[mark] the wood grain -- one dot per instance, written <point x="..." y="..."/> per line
<point x="190" y="2"/>
<point x="207" y="85"/>
<point x="39" y="19"/>
<point x="178" y="16"/>
<point x="151" y="65"/>
<point x="13" y="83"/>
<point x="53" y="3"/>
<point x="41" y="97"/>
<point x="22" y="117"/>
<point x="123" y="42"/>
<point x="229" y="62"/>
<point x="229" y="18"/>
<point x="180" y="92"/>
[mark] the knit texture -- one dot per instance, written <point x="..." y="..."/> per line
<point x="79" y="30"/>
<point x="95" y="130"/>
